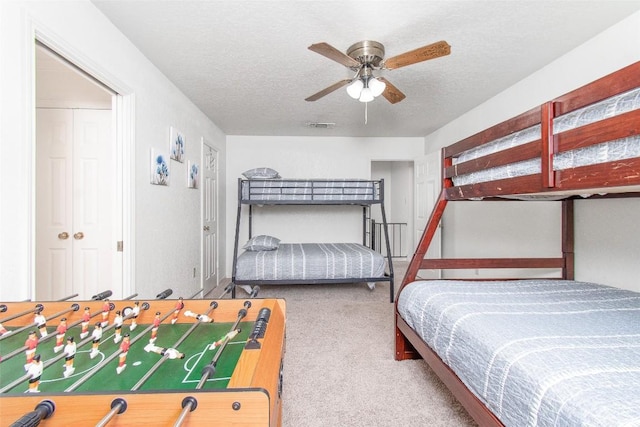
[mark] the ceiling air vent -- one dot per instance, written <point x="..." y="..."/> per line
<point x="319" y="125"/>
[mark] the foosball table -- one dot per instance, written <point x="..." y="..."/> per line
<point x="135" y="362"/>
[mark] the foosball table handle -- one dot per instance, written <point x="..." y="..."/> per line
<point x="42" y="411"/>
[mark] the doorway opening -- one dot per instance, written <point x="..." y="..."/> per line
<point x="398" y="192"/>
<point x="78" y="214"/>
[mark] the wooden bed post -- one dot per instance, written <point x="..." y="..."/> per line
<point x="567" y="239"/>
<point x="404" y="349"/>
<point x="548" y="145"/>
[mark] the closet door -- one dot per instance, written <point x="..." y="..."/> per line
<point x="94" y="244"/>
<point x="54" y="204"/>
<point x="75" y="193"/>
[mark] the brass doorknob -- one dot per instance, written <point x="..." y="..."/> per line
<point x="63" y="236"/>
<point x="206" y="228"/>
<point x="79" y="235"/>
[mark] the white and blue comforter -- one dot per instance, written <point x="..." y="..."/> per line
<point x="543" y="353"/>
<point x="311" y="261"/>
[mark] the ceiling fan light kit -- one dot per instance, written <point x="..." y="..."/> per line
<point x="367" y="56"/>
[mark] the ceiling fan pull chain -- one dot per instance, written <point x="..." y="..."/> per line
<point x="366" y="109"/>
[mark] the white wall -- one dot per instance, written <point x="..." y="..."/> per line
<point x="308" y="157"/>
<point x="606" y="230"/>
<point x="164" y="221"/>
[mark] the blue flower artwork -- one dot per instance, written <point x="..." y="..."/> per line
<point x="177" y="145"/>
<point x="159" y="169"/>
<point x="193" y="173"/>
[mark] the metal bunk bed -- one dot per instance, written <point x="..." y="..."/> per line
<point x="355" y="263"/>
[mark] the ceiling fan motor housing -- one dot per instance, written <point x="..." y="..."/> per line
<point x="367" y="52"/>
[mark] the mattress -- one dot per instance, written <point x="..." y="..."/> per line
<point x="311" y="261"/>
<point x="310" y="190"/>
<point x="543" y="353"/>
<point x="620" y="149"/>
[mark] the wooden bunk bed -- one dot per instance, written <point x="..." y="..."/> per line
<point x="603" y="116"/>
<point x="311" y="263"/>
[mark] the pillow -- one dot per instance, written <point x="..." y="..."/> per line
<point x="261" y="173"/>
<point x="262" y="243"/>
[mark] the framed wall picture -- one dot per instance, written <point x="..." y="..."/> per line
<point x="177" y="145"/>
<point x="159" y="168"/>
<point x="193" y="174"/>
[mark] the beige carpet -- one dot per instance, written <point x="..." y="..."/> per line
<point x="339" y="367"/>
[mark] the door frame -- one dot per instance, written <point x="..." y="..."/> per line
<point x="123" y="125"/>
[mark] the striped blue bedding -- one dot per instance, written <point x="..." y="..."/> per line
<point x="311" y="261"/>
<point x="537" y="353"/>
<point x="310" y="190"/>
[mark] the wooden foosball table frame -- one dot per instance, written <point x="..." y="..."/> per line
<point x="252" y="397"/>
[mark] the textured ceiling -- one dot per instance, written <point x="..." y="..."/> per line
<point x="246" y="64"/>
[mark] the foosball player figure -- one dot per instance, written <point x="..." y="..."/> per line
<point x="41" y="322"/>
<point x="106" y="307"/>
<point x="135" y="311"/>
<point x="124" y="348"/>
<point x="154" y="329"/>
<point x="31" y="343"/>
<point x="117" y="321"/>
<point x="171" y="353"/>
<point x="86" y="318"/>
<point x="97" y="336"/>
<point x="61" y="331"/>
<point x="231" y="335"/>
<point x="201" y="317"/>
<point x="34" y="372"/>
<point x="3" y="330"/>
<point x="179" y="306"/>
<point x="69" y="355"/>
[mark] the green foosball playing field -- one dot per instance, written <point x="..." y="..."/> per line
<point x="178" y="373"/>
<point x="220" y="359"/>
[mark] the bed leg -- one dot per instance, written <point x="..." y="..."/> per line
<point x="404" y="349"/>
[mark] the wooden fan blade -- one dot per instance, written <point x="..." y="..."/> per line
<point x="334" y="54"/>
<point x="328" y="90"/>
<point x="431" y="51"/>
<point x="391" y="93"/>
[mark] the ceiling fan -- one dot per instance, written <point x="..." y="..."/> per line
<point x="367" y="56"/>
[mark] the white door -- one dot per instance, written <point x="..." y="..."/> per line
<point x="209" y="217"/>
<point x="427" y="190"/>
<point x="75" y="196"/>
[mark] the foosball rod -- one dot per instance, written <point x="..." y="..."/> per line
<point x="164" y="358"/>
<point x="189" y="404"/>
<point x="23" y="313"/>
<point x="108" y="359"/>
<point x="131" y="296"/>
<point x="68" y="298"/>
<point x="209" y="370"/>
<point x="227" y="289"/>
<point x="118" y="406"/>
<point x="74" y="307"/>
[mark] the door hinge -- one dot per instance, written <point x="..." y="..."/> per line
<point x="119" y="245"/>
